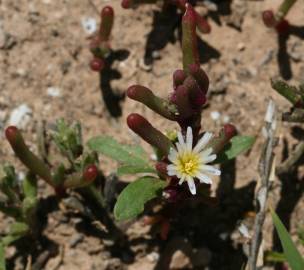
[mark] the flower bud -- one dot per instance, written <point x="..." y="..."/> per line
<point x="81" y="179"/>
<point x="161" y="167"/>
<point x="173" y="194"/>
<point x="218" y="143"/>
<point x="126" y="3"/>
<point x="200" y="76"/>
<point x="269" y="18"/>
<point x="202" y="24"/>
<point x="183" y="103"/>
<point x="156" y="104"/>
<point x="90" y="173"/>
<point x="229" y="131"/>
<point x="97" y="64"/>
<point x="178" y="77"/>
<point x="148" y="133"/>
<point x="196" y="96"/>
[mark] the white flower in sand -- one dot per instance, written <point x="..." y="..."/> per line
<point x="190" y="163"/>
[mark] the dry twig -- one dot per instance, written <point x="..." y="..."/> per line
<point x="265" y="172"/>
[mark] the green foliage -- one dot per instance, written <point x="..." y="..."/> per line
<point x="277" y="257"/>
<point x="68" y="139"/>
<point x="293" y="257"/>
<point x="132" y="199"/>
<point x="132" y="157"/>
<point x="2" y="257"/>
<point x="236" y="146"/>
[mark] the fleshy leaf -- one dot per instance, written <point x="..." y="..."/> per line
<point x="2" y="257"/>
<point x="293" y="257"/>
<point x="236" y="146"/>
<point x="130" y="169"/>
<point x="132" y="199"/>
<point x="125" y="154"/>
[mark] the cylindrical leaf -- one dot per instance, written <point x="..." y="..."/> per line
<point x="158" y="105"/>
<point x="148" y="133"/>
<point x="27" y="157"/>
<point x="189" y="39"/>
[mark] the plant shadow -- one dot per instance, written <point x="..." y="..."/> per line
<point x="111" y="97"/>
<point x="283" y="56"/>
<point x="39" y="247"/>
<point x="292" y="189"/>
<point x="211" y="226"/>
<point x="166" y="28"/>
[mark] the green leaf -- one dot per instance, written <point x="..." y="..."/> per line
<point x="129" y="169"/>
<point x="132" y="199"/>
<point x="272" y="256"/>
<point x="293" y="257"/>
<point x="236" y="146"/>
<point x="125" y="154"/>
<point x="19" y="228"/>
<point x="2" y="257"/>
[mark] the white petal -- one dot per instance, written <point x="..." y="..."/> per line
<point x="210" y="169"/>
<point x="208" y="159"/>
<point x="202" y="142"/>
<point x="179" y="147"/>
<point x="171" y="170"/>
<point x="181" y="140"/>
<point x="181" y="180"/>
<point x="189" y="138"/>
<point x="204" y="178"/>
<point x="205" y="152"/>
<point x="191" y="185"/>
<point x="172" y="155"/>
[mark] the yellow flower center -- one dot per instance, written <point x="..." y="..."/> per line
<point x="188" y="163"/>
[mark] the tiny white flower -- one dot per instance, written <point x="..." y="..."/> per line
<point x="189" y="163"/>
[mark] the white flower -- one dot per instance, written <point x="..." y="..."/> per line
<point x="189" y="163"/>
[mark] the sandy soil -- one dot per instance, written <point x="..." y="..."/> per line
<point x="44" y="45"/>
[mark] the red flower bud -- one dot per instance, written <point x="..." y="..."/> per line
<point x="161" y="167"/>
<point x="126" y="3"/>
<point x="178" y="77"/>
<point x="97" y="64"/>
<point x="90" y="173"/>
<point x="11" y="133"/>
<point x="269" y="18"/>
<point x="202" y="24"/>
<point x="200" y="76"/>
<point x="229" y="131"/>
<point x="107" y="11"/>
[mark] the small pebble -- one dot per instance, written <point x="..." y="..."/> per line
<point x="241" y="46"/>
<point x="20" y="116"/>
<point x="89" y="24"/>
<point x="53" y="92"/>
<point x="215" y="115"/>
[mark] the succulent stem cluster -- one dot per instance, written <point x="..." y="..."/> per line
<point x="185" y="103"/>
<point x="99" y="44"/>
<point x="61" y="179"/>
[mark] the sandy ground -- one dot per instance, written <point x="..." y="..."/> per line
<point x="44" y="46"/>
